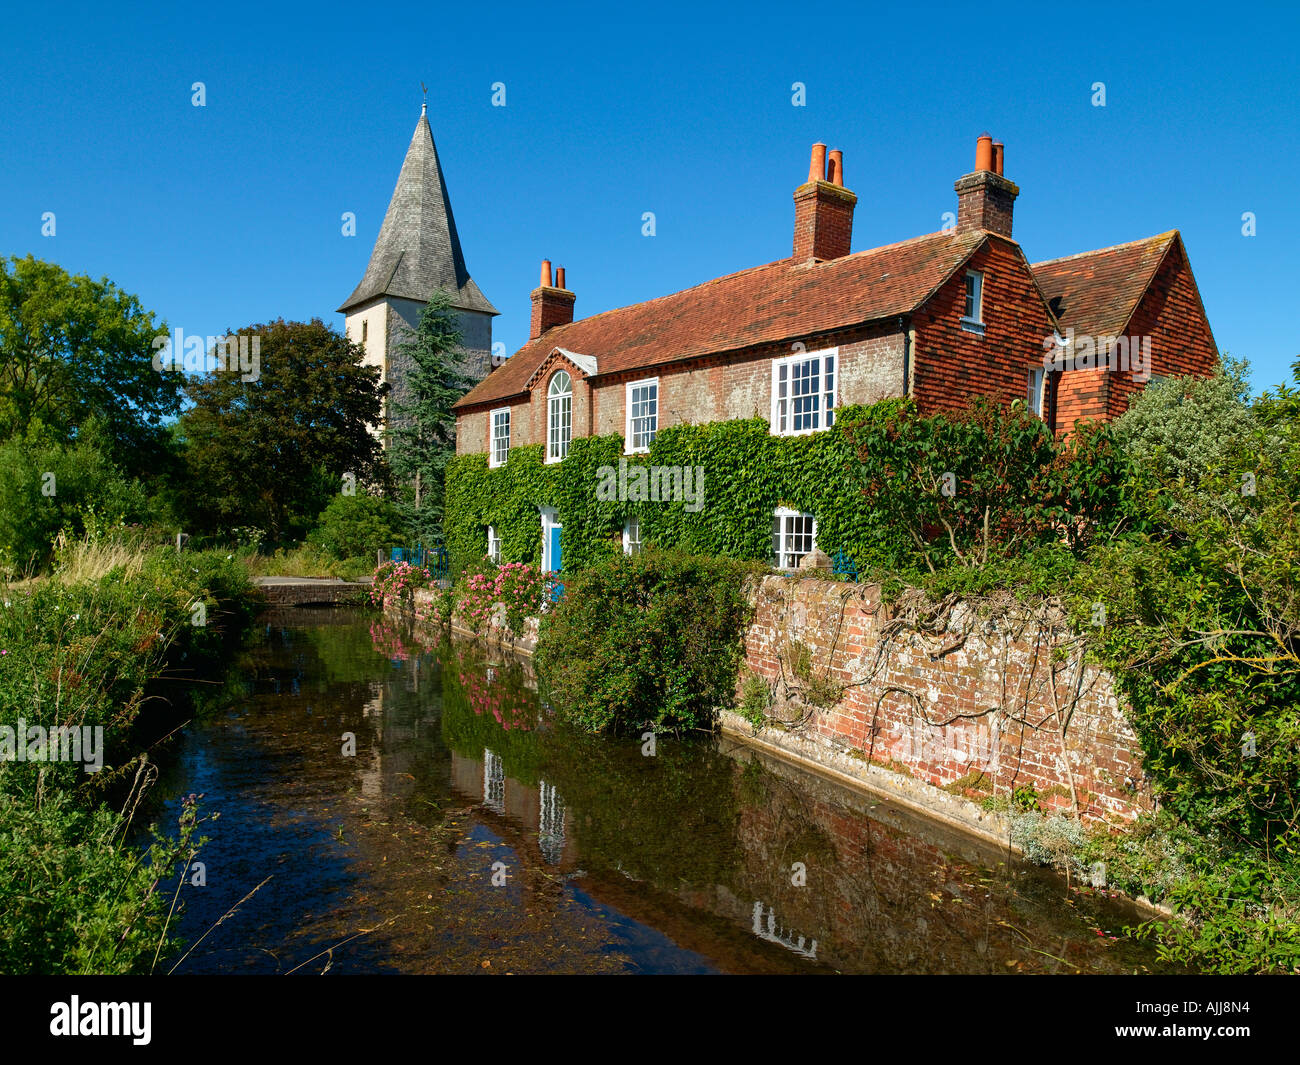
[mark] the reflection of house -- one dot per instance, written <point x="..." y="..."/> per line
<point x="539" y="811"/>
<point x="940" y="318"/>
<point x="550" y="822"/>
<point x="372" y="778"/>
<point x="494" y="783"/>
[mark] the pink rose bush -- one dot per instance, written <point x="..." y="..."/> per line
<point x="511" y="592"/>
<point x="395" y="584"/>
<point x="503" y="596"/>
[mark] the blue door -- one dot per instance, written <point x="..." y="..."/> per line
<point x="556" y="557"/>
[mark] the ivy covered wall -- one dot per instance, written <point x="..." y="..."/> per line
<point x="748" y="474"/>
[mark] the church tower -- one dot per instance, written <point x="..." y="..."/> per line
<point x="417" y="253"/>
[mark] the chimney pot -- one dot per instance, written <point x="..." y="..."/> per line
<point x="835" y="170"/>
<point x="817" y="165"/>
<point x="823" y="210"/>
<point x="552" y="303"/>
<point x="985" y="198"/>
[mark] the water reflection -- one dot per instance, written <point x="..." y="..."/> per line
<point x="470" y="832"/>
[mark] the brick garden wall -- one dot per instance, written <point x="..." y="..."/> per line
<point x="900" y="695"/>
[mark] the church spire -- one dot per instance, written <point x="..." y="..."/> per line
<point x="417" y="251"/>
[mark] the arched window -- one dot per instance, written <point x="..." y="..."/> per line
<point x="559" y="416"/>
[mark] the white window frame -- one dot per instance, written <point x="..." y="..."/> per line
<point x="783" y="515"/>
<point x="632" y="522"/>
<point x="493" y="460"/>
<point x="552" y="439"/>
<point x="973" y="323"/>
<point x="1036" y="392"/>
<point x="629" y="448"/>
<point x="782" y="418"/>
<point x="493" y="544"/>
<point x="550" y="520"/>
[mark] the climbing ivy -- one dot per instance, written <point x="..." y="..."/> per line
<point x="510" y="498"/>
<point x="891" y="490"/>
<point x="748" y="473"/>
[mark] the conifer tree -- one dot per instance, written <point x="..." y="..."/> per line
<point x="422" y="425"/>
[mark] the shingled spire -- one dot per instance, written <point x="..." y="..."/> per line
<point x="418" y="251"/>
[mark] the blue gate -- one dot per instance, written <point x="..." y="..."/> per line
<point x="434" y="559"/>
<point x="845" y="567"/>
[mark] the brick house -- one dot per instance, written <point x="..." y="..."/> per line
<point x="940" y="318"/>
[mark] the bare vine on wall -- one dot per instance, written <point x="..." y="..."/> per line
<point x="1031" y="641"/>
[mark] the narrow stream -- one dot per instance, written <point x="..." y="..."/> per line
<point x="469" y="832"/>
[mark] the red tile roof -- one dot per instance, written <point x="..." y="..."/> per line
<point x="781" y="301"/>
<point x="1099" y="290"/>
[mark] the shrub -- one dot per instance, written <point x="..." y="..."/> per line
<point x="1056" y="840"/>
<point x="1239" y="916"/>
<point x="357" y="525"/>
<point x="76" y="897"/>
<point x="1182" y="431"/>
<point x="652" y="640"/>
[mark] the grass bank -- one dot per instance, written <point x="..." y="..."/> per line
<point x="79" y="652"/>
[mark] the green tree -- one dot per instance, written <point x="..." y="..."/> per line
<point x="1203" y="611"/>
<point x="271" y="452"/>
<point x="422" y="428"/>
<point x="47" y="487"/>
<point x="1279" y="408"/>
<point x="72" y="348"/>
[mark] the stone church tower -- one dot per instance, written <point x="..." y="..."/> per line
<point x="417" y="253"/>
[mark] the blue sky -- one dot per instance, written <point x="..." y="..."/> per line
<point x="229" y="214"/>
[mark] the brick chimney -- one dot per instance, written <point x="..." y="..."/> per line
<point x="823" y="209"/>
<point x="984" y="197"/>
<point x="552" y="304"/>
